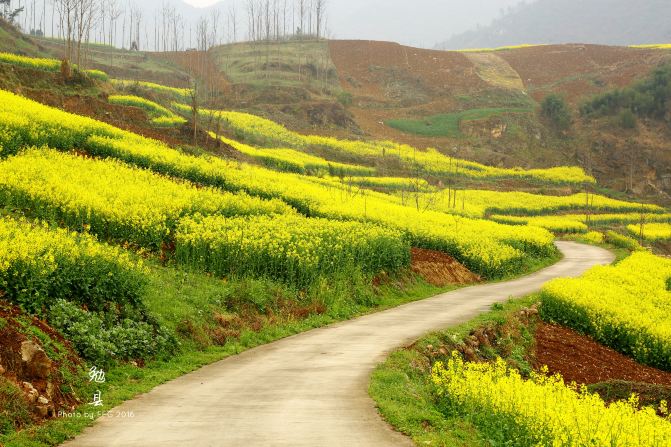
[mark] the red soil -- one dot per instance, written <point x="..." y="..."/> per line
<point x="580" y="70"/>
<point x="580" y="359"/>
<point x="431" y="82"/>
<point x="364" y="67"/>
<point x="440" y="269"/>
<point x="43" y="375"/>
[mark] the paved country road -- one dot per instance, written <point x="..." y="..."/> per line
<point x="310" y="389"/>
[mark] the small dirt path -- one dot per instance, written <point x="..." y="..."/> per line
<point x="310" y="389"/>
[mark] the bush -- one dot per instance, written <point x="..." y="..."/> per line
<point x="345" y="98"/>
<point x="555" y="109"/>
<point x="102" y="338"/>
<point x="649" y="97"/>
<point x="627" y="119"/>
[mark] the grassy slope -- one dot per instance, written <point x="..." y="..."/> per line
<point x="287" y="64"/>
<point x="12" y="41"/>
<point x="448" y="124"/>
<point x="176" y="296"/>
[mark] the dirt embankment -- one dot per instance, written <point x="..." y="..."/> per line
<point x="37" y="366"/>
<point x="440" y="269"/>
<point x="378" y="70"/>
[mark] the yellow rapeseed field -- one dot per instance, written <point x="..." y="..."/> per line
<point x="625" y="306"/>
<point x="488" y="248"/>
<point x="291" y="160"/>
<point x="111" y="199"/>
<point x="290" y="248"/>
<point x="543" y="410"/>
<point x="651" y="231"/>
<point x="39" y="265"/>
<point x="264" y="132"/>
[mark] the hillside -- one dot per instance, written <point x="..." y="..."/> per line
<point x="482" y="106"/>
<point x="485" y="105"/>
<point x="163" y="211"/>
<point x="606" y="22"/>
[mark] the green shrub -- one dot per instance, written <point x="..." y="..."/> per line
<point x="345" y="98"/>
<point x="627" y="119"/>
<point x="555" y="109"/>
<point x="102" y="338"/>
<point x="649" y="98"/>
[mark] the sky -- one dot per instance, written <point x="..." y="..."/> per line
<point x="422" y="23"/>
<point x="202" y="3"/>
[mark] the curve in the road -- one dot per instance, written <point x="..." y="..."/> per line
<point x="309" y="389"/>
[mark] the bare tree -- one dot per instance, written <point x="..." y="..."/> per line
<point x="201" y="34"/>
<point x="320" y="13"/>
<point x="194" y="110"/>
<point x="284" y="18"/>
<point x="66" y="15"/>
<point x="301" y="17"/>
<point x="267" y="19"/>
<point x="631" y="153"/>
<point x="177" y="28"/>
<point x="114" y="14"/>
<point x="251" y="17"/>
<point x="215" y="18"/>
<point x="233" y="22"/>
<point x="135" y="31"/>
<point x="8" y="13"/>
<point x="77" y="19"/>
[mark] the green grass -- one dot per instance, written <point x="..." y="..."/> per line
<point x="287" y="64"/>
<point x="448" y="125"/>
<point x="177" y="296"/>
<point x="188" y="303"/>
<point x="11" y="41"/>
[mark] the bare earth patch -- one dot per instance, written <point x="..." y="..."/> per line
<point x="580" y="359"/>
<point x="440" y="269"/>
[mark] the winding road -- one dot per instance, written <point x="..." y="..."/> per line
<point x="310" y="389"/>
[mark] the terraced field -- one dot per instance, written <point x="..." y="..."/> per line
<point x="153" y="258"/>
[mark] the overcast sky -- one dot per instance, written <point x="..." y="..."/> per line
<point x="412" y="22"/>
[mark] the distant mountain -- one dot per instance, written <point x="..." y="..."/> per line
<point x="419" y="23"/>
<point x="608" y="22"/>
